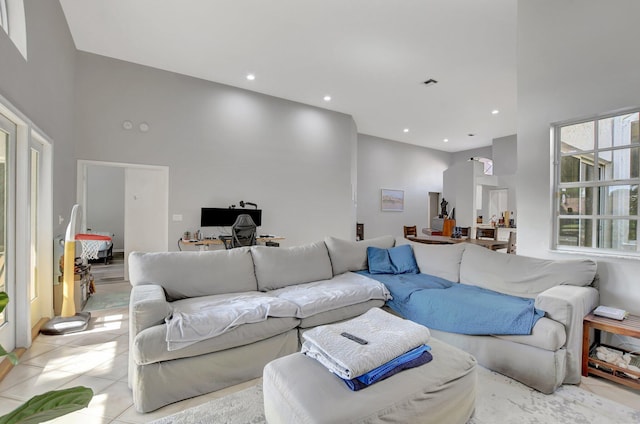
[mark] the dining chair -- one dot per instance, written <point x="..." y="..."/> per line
<point x="487" y="233"/>
<point x="410" y="231"/>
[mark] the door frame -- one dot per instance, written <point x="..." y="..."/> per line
<point x="82" y="191"/>
<point x="19" y="225"/>
<point x="44" y="225"/>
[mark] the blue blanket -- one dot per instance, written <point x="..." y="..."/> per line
<point x="458" y="308"/>
<point x="414" y="358"/>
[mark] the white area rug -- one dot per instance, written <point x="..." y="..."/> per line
<point x="499" y="400"/>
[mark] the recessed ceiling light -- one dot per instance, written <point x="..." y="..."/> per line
<point x="446" y="140"/>
<point x="327" y="98"/>
<point x="495" y="112"/>
<point x="251" y="77"/>
<point x="405" y="130"/>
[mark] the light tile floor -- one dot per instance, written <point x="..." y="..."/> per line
<point x="97" y="358"/>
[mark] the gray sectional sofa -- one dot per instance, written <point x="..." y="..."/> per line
<point x="312" y="278"/>
<point x="551" y="354"/>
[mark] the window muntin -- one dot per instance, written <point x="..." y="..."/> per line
<point x="596" y="180"/>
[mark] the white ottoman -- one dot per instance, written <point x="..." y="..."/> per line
<point x="298" y="389"/>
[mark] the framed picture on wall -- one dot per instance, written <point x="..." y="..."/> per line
<point x="392" y="200"/>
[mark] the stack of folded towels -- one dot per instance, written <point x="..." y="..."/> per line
<point x="384" y="345"/>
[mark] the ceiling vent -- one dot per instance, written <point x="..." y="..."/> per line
<point x="430" y="81"/>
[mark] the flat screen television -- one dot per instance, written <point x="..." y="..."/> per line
<point x="225" y="217"/>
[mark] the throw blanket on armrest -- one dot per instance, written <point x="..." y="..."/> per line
<point x="197" y="319"/>
<point x="458" y="308"/>
<point x="388" y="337"/>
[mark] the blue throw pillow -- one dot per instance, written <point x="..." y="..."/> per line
<point x="379" y="261"/>
<point x="403" y="260"/>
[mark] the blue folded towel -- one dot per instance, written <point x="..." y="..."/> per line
<point x="413" y="358"/>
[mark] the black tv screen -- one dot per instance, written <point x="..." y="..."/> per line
<point x="221" y="217"/>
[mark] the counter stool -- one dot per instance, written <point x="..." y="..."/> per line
<point x="298" y="389"/>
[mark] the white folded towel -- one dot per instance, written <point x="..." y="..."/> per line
<point x="388" y="337"/>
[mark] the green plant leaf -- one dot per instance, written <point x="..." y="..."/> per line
<point x="12" y="356"/>
<point x="49" y="405"/>
<point x="4" y="299"/>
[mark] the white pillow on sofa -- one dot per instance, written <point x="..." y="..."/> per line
<point x="278" y="267"/>
<point x="349" y="255"/>
<point x="522" y="275"/>
<point x="193" y="274"/>
<point x="440" y="260"/>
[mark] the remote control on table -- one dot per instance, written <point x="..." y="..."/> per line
<point x="354" y="338"/>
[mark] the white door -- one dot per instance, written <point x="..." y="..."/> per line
<point x="146" y="211"/>
<point x="39" y="240"/>
<point x="7" y="246"/>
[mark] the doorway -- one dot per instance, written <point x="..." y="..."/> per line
<point x="498" y="203"/>
<point x="25" y="226"/>
<point x="434" y="203"/>
<point x="143" y="205"/>
<point x="7" y="230"/>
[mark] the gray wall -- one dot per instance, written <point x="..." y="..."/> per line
<point x="105" y="202"/>
<point x="222" y="145"/>
<point x="505" y="155"/>
<point x="389" y="164"/>
<point x="505" y="167"/>
<point x="465" y="155"/>
<point x="42" y="88"/>
<point x="582" y="64"/>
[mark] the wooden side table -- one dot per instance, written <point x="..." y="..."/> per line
<point x="629" y="326"/>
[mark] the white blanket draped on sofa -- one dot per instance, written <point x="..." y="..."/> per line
<point x="194" y="320"/>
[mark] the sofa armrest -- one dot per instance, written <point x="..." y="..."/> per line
<point x="148" y="307"/>
<point x="569" y="305"/>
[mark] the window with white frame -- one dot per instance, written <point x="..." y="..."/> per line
<point x="4" y="19"/>
<point x="597" y="174"/>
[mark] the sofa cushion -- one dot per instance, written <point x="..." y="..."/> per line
<point x="352" y="255"/>
<point x="276" y="268"/>
<point x="379" y="261"/>
<point x="547" y="334"/>
<point x="440" y="260"/>
<point x="198" y="318"/>
<point x="193" y="274"/>
<point x="396" y="260"/>
<point x="150" y="346"/>
<point x="522" y="275"/>
<point x="403" y="260"/>
<point x="339" y="314"/>
<point x="321" y="296"/>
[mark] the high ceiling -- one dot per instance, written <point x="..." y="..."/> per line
<point x="370" y="56"/>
